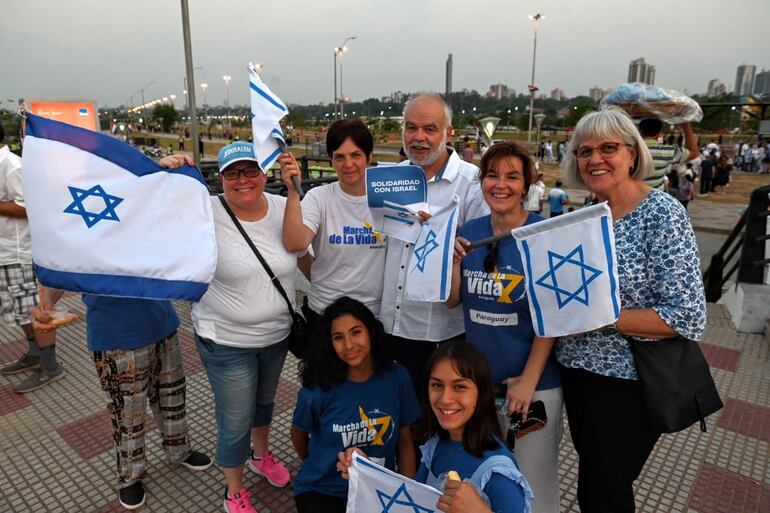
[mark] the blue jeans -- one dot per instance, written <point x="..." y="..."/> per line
<point x="244" y="381"/>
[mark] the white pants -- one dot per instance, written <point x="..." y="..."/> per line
<point x="537" y="453"/>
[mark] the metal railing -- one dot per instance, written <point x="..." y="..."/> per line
<point x="748" y="237"/>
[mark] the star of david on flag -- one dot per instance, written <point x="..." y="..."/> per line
<point x="91" y="218"/>
<point x="375" y="489"/>
<point x="567" y="264"/>
<point x="570" y="267"/>
<point x="429" y="271"/>
<point x="107" y="220"/>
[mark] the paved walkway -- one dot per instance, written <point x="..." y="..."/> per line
<point x="56" y="455"/>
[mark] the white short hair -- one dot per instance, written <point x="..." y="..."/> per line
<point x="430" y="95"/>
<point x="610" y="121"/>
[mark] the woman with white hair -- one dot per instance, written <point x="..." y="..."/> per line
<point x="661" y="296"/>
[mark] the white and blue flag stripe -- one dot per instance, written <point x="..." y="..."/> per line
<point x="267" y="110"/>
<point x="107" y="220"/>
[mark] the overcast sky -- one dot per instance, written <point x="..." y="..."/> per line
<point x="108" y="49"/>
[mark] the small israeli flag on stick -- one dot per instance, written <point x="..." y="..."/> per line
<point x="570" y="266"/>
<point x="429" y="272"/>
<point x="267" y="110"/>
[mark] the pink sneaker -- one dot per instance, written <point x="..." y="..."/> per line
<point x="269" y="468"/>
<point x="240" y="503"/>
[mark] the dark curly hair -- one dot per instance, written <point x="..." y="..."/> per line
<point x="482" y="432"/>
<point x="321" y="366"/>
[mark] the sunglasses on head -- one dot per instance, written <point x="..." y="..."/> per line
<point x="490" y="261"/>
<point x="233" y="174"/>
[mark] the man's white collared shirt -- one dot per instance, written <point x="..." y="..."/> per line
<point x="421" y="320"/>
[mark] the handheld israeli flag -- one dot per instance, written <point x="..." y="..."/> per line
<point x="429" y="272"/>
<point x="394" y="195"/>
<point x="267" y="110"/>
<point x="107" y="220"/>
<point x="375" y="489"/>
<point x="570" y="266"/>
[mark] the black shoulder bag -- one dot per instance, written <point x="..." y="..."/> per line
<point x="677" y="384"/>
<point x="298" y="333"/>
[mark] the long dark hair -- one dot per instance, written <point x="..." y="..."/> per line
<point x="322" y="367"/>
<point x="482" y="431"/>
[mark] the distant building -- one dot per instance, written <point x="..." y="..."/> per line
<point x="558" y="94"/>
<point x="448" y="76"/>
<point x="596" y="93"/>
<point x="744" y="79"/>
<point x="640" y="71"/>
<point x="715" y="88"/>
<point x="397" y="97"/>
<point x="498" y="91"/>
<point x="762" y="82"/>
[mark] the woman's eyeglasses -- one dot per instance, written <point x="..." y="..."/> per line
<point x="233" y="174"/>
<point x="608" y="149"/>
<point x="490" y="261"/>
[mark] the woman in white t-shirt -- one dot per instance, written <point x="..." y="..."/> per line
<point x="242" y="323"/>
<point x="349" y="254"/>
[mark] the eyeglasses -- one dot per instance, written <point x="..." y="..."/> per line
<point x="233" y="174"/>
<point x="606" y="150"/>
<point x="490" y="261"/>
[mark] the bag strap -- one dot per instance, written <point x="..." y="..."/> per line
<point x="262" y="261"/>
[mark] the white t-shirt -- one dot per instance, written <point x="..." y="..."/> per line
<point x="349" y="254"/>
<point x="15" y="243"/>
<point x="242" y="307"/>
<point x="535" y="195"/>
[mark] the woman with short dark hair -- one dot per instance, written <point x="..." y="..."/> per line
<point x="335" y="219"/>
<point x="489" y="282"/>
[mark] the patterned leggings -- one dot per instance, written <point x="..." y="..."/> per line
<point x="129" y="377"/>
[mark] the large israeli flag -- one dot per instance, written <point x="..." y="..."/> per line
<point x="107" y="220"/>
<point x="429" y="273"/>
<point x="570" y="266"/>
<point x="375" y="489"/>
<point x="267" y="110"/>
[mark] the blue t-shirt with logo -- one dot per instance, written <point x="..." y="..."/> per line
<point x="127" y="323"/>
<point x="496" y="308"/>
<point x="367" y="415"/>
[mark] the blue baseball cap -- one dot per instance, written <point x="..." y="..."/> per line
<point x="236" y="152"/>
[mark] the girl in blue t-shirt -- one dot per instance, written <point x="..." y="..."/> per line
<point x="465" y="437"/>
<point x="490" y="284"/>
<point x="353" y="397"/>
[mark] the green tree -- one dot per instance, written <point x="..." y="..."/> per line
<point x="165" y="114"/>
<point x="577" y="112"/>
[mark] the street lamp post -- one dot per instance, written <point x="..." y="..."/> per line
<point x="144" y="114"/>
<point x="532" y="88"/>
<point x="204" y="86"/>
<point x="227" y="78"/>
<point x="339" y="100"/>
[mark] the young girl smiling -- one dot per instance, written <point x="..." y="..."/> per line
<point x="353" y="397"/>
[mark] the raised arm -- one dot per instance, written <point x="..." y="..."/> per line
<point x="296" y="236"/>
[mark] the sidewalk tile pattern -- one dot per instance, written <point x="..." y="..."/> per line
<point x="725" y="469"/>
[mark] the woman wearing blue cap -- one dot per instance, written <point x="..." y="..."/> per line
<point x="242" y="322"/>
